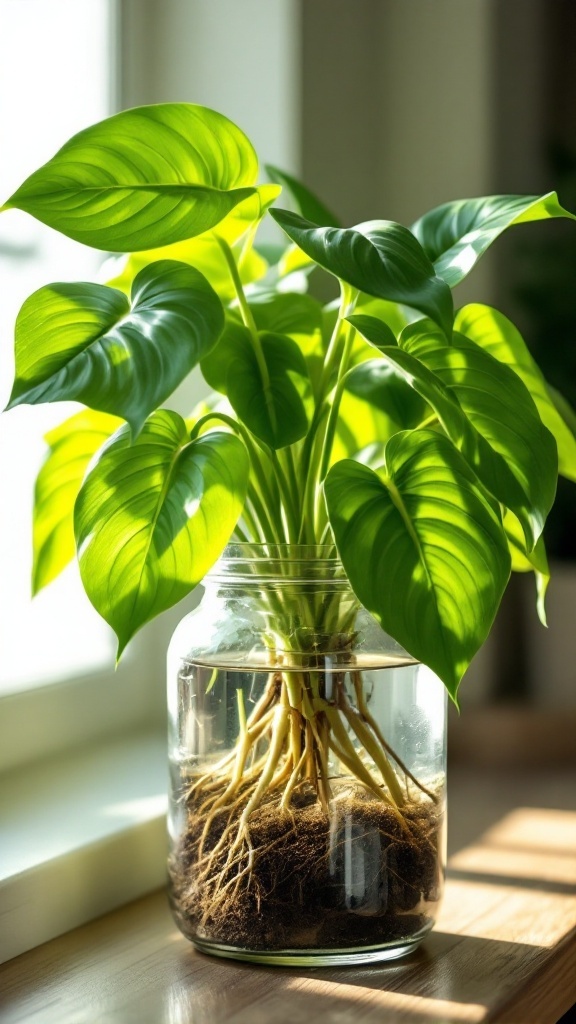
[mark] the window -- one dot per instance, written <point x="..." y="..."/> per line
<point x="58" y="687"/>
<point x="55" y="77"/>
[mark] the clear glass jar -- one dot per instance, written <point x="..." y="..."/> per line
<point x="307" y="753"/>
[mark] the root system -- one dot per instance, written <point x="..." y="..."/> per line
<point x="303" y="878"/>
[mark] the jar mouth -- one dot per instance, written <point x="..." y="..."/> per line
<point x="284" y="563"/>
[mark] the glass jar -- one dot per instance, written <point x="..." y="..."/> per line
<point x="307" y="754"/>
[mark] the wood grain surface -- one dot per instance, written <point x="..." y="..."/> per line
<point x="504" y="948"/>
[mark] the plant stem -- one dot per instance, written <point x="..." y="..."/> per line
<point x="249" y="323"/>
<point x="288" y="500"/>
<point x="316" y="453"/>
<point x="348" y="299"/>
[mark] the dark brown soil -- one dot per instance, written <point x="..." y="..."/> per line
<point x="358" y="878"/>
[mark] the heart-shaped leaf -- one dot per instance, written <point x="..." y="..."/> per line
<point x="308" y="204"/>
<point x="381" y="258"/>
<point x="143" y="178"/>
<point x="71" y="447"/>
<point x="152" y="517"/>
<point x="497" y="335"/>
<point x="455" y="235"/>
<point x="271" y="392"/>
<point x="423" y="548"/>
<point x="487" y="412"/>
<point x="86" y="342"/>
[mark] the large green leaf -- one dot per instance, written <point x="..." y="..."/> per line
<point x="270" y="395"/>
<point x="486" y="411"/>
<point x="308" y="204"/>
<point x="455" y="235"/>
<point x="380" y="257"/>
<point x="496" y="334"/>
<point x="423" y="548"/>
<point x="71" y="447"/>
<point x="86" y="342"/>
<point x="152" y="518"/>
<point x="143" y="178"/>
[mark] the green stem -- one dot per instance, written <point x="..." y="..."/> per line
<point x="253" y="525"/>
<point x="348" y="299"/>
<point x="288" y="500"/>
<point x="308" y="460"/>
<point x="240" y="535"/>
<point x="335" y="405"/>
<point x="289" y="504"/>
<point x="428" y="422"/>
<point x="246" y="312"/>
<point x="267" y="525"/>
<point x="316" y="454"/>
<point x="292" y="473"/>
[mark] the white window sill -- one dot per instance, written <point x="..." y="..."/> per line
<point x="81" y="834"/>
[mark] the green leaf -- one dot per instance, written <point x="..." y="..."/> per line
<point x="455" y="235"/>
<point x="298" y="315"/>
<point x="500" y="407"/>
<point x="563" y="407"/>
<point x="71" y="447"/>
<point x="152" y="517"/>
<point x="203" y="253"/>
<point x="488" y="414"/>
<point x="86" y="342"/>
<point x="377" y="333"/>
<point x="270" y="395"/>
<point x="423" y="548"/>
<point x="383" y="387"/>
<point x="376" y="403"/>
<point x="307" y="203"/>
<point x="380" y="257"/>
<point x="393" y="314"/>
<point x="534" y="561"/>
<point x="497" y="335"/>
<point x="143" y="178"/>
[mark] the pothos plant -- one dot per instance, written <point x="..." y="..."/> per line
<point x="422" y="441"/>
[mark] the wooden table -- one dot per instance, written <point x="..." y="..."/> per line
<point x="504" y="948"/>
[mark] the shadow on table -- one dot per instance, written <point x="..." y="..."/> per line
<point x="444" y="981"/>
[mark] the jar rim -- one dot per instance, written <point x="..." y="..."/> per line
<point x="284" y="563"/>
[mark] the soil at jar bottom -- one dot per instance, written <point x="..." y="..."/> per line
<point x="359" y="877"/>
